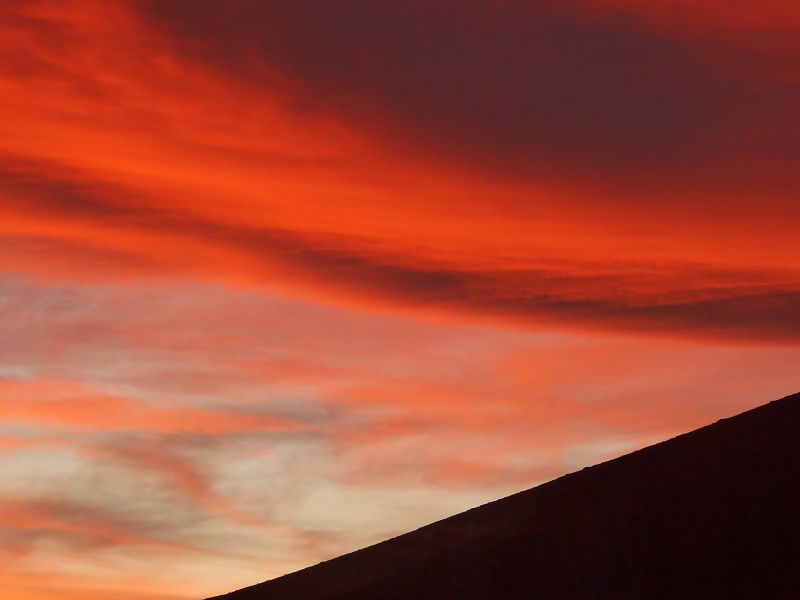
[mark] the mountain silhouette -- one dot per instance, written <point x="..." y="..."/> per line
<point x="710" y="514"/>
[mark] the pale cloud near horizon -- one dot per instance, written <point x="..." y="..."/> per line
<point x="242" y="436"/>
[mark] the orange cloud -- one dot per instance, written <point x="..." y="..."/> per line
<point x="250" y="186"/>
<point x="71" y="405"/>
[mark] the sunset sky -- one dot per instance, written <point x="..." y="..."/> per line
<point x="283" y="278"/>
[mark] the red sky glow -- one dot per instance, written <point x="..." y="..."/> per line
<point x="283" y="278"/>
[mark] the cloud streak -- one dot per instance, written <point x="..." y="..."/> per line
<point x="539" y="86"/>
<point x="704" y="301"/>
<point x="65" y="404"/>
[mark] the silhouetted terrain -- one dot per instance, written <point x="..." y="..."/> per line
<point x="714" y="513"/>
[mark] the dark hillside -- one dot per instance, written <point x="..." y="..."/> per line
<point x="714" y="513"/>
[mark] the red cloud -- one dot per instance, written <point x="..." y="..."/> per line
<point x="70" y="405"/>
<point x="663" y="199"/>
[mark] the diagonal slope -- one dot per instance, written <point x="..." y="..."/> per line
<point x="714" y="513"/>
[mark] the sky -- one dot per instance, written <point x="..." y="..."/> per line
<point x="283" y="278"/>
